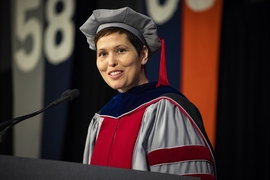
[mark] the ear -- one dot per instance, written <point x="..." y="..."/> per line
<point x="144" y="55"/>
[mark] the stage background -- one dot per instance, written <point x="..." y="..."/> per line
<point x="217" y="55"/>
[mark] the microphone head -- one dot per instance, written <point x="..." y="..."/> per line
<point x="74" y="94"/>
<point x="71" y="94"/>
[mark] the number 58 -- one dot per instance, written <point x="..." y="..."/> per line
<point x="31" y="27"/>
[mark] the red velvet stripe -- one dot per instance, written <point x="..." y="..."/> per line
<point x="104" y="142"/>
<point x="178" y="154"/>
<point x="116" y="140"/>
<point x="203" y="176"/>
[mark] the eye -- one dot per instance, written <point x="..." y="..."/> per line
<point x="121" y="50"/>
<point x="102" y="53"/>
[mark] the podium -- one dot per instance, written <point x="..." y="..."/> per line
<point x="13" y="168"/>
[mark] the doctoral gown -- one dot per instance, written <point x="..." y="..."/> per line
<point x="153" y="129"/>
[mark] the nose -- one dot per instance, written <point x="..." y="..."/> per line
<point x="112" y="61"/>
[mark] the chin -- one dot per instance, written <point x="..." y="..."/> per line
<point x="118" y="88"/>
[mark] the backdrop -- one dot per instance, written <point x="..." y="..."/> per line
<point x="217" y="55"/>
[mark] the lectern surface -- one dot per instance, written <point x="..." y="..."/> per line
<point x="12" y="168"/>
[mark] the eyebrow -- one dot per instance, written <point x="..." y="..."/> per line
<point x="115" y="47"/>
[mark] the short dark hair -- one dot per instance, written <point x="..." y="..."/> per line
<point x="134" y="40"/>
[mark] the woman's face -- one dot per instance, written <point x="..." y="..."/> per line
<point x="119" y="63"/>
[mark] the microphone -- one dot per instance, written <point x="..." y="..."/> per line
<point x="67" y="95"/>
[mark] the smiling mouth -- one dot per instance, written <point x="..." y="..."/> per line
<point x="115" y="73"/>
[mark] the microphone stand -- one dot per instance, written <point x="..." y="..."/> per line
<point x="67" y="95"/>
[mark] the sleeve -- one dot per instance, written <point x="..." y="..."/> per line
<point x="92" y="133"/>
<point x="169" y="141"/>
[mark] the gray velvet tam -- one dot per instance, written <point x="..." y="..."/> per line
<point x="140" y="25"/>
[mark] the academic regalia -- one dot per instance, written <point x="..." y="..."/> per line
<point x="151" y="129"/>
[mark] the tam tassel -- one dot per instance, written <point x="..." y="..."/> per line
<point x="163" y="79"/>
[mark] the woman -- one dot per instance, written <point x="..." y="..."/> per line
<point x="148" y="125"/>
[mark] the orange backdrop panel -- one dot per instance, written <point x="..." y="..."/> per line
<point x="200" y="60"/>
